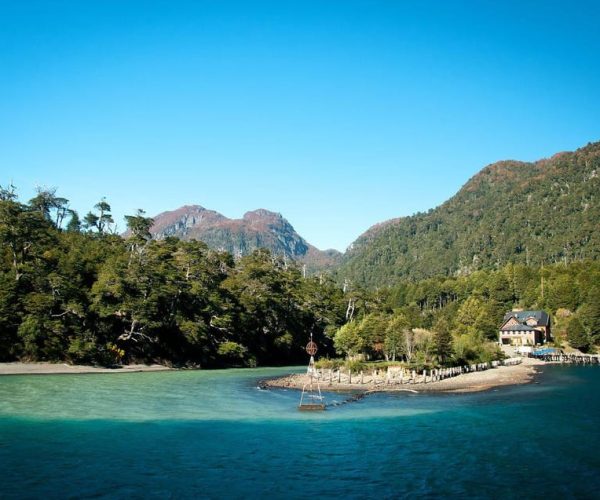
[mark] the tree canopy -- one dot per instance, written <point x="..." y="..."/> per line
<point x="82" y="294"/>
<point x="78" y="292"/>
<point x="533" y="214"/>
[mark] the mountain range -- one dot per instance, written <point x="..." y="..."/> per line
<point x="511" y="211"/>
<point x="256" y="229"/>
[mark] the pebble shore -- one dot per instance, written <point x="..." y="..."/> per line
<point x="468" y="382"/>
<point x="18" y="368"/>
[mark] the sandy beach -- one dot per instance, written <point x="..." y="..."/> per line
<point x="467" y="382"/>
<point x="18" y="368"/>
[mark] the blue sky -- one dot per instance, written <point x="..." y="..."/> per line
<point x="339" y="115"/>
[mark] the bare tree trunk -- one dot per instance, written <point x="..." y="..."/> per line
<point x="410" y="345"/>
<point x="350" y="310"/>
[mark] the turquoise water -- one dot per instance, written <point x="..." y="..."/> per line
<point x="214" y="434"/>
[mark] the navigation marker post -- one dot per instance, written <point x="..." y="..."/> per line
<point x="311" y="399"/>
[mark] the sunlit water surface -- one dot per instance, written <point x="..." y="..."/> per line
<point x="215" y="434"/>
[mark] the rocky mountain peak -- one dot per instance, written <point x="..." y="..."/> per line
<point x="259" y="228"/>
<point x="262" y="213"/>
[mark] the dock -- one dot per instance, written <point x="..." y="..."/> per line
<point x="559" y="357"/>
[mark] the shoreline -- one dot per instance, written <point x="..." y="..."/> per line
<point x="465" y="383"/>
<point x="19" y="368"/>
<point x="501" y="376"/>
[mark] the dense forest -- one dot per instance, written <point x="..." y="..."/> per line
<point x="456" y="319"/>
<point x="511" y="212"/>
<point x="73" y="290"/>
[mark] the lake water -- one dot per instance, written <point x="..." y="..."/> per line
<point x="213" y="434"/>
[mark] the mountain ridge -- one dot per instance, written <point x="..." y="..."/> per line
<point x="510" y="211"/>
<point x="259" y="228"/>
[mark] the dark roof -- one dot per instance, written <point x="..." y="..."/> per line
<point x="541" y="317"/>
<point x="518" y="328"/>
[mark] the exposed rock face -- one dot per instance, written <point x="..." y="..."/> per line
<point x="256" y="229"/>
<point x="185" y="221"/>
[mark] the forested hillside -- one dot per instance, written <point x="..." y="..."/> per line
<point x="510" y="212"/>
<point x="457" y="319"/>
<point x="74" y="291"/>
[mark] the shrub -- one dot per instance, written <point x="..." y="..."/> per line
<point x="383" y="365"/>
<point x="82" y="350"/>
<point x="327" y="363"/>
<point x="355" y="365"/>
<point x="232" y="350"/>
<point x="469" y="349"/>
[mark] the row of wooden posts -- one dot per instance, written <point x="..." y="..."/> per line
<point x="584" y="359"/>
<point x="399" y="375"/>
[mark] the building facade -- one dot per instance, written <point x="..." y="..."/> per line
<point x="525" y="328"/>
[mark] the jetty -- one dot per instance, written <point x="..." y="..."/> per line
<point x="466" y="378"/>
<point x="403" y="376"/>
<point x="572" y="358"/>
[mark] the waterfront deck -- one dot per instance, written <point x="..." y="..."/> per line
<point x="579" y="359"/>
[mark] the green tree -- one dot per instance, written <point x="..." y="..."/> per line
<point x="232" y="352"/>
<point x="24" y="232"/>
<point x="577" y="336"/>
<point x="74" y="224"/>
<point x="50" y="206"/>
<point x="470" y="349"/>
<point x="395" y="335"/>
<point x="470" y="318"/>
<point x="590" y="313"/>
<point x="139" y="229"/>
<point x="442" y="340"/>
<point x="101" y="220"/>
<point x="90" y="221"/>
<point x="372" y="329"/>
<point x="348" y="340"/>
<point x="562" y="292"/>
<point x="9" y="317"/>
<point x="42" y="333"/>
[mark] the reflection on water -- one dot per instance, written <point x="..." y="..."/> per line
<point x="215" y="434"/>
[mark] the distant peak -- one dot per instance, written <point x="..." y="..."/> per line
<point x="185" y="209"/>
<point x="257" y="229"/>
<point x="262" y="213"/>
<point x="192" y="208"/>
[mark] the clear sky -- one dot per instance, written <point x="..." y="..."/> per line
<point x="339" y="114"/>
